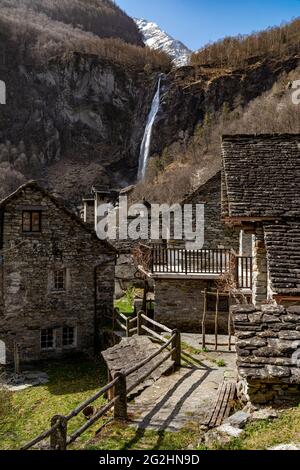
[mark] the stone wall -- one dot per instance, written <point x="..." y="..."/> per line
<point x="179" y="304"/>
<point x="268" y="349"/>
<point x="216" y="233"/>
<point x="29" y="301"/>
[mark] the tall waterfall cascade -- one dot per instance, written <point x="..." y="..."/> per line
<point x="146" y="142"/>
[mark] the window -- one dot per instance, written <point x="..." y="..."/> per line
<point x="47" y="338"/>
<point x="32" y="221"/>
<point x="68" y="336"/>
<point x="60" y="279"/>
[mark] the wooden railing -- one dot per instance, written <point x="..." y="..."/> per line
<point x="180" y="261"/>
<point x="58" y="432"/>
<point x="244" y="271"/>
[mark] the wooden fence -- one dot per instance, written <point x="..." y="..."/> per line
<point x="180" y="261"/>
<point x="117" y="388"/>
<point x="244" y="271"/>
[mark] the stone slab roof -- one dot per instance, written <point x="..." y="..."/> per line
<point x="283" y="251"/>
<point x="261" y="176"/>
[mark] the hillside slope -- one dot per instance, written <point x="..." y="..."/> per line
<point x="102" y="18"/>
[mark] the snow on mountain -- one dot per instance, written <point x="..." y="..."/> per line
<point x="155" y="38"/>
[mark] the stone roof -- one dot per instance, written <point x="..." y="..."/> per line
<point x="36" y="187"/>
<point x="261" y="177"/>
<point x="283" y="251"/>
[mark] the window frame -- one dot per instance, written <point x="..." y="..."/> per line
<point x="31" y="225"/>
<point x="74" y="344"/>
<point x="58" y="271"/>
<point x="47" y="348"/>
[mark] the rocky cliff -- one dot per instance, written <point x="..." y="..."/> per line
<point x="77" y="122"/>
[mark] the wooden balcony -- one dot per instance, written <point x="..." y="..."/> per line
<point x="160" y="260"/>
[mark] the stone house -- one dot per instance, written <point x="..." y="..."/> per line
<point x="261" y="196"/>
<point x="56" y="278"/>
<point x="179" y="284"/>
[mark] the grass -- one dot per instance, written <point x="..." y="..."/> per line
<point x="125" y="306"/>
<point x="71" y="382"/>
<point x="203" y="353"/>
<point x="118" y="436"/>
<point x="265" y="434"/>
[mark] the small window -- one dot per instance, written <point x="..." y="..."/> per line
<point x="60" y="279"/>
<point x="47" y="338"/>
<point x="68" y="336"/>
<point x="32" y="221"/>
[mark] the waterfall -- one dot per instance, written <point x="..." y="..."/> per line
<point x="146" y="142"/>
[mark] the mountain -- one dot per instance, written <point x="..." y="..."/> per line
<point x="101" y="18"/>
<point x="79" y="83"/>
<point x="157" y="39"/>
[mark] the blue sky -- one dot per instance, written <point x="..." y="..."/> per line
<point x="196" y="22"/>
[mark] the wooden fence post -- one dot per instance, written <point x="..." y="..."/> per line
<point x="176" y="344"/>
<point x="114" y="320"/>
<point x="16" y="358"/>
<point x="204" y="320"/>
<point x="140" y="323"/>
<point x="128" y="327"/>
<point x="120" y="408"/>
<point x="217" y="319"/>
<point x="58" y="439"/>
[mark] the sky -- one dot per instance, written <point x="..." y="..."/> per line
<point x="197" y="22"/>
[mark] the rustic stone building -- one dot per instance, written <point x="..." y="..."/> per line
<point x="179" y="299"/>
<point x="261" y="196"/>
<point x="56" y="277"/>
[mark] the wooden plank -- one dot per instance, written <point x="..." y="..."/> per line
<point x="223" y="404"/>
<point x="221" y="392"/>
<point x="223" y="408"/>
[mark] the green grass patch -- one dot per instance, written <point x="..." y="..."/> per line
<point x="202" y="353"/>
<point x="265" y="434"/>
<point x="118" y="436"/>
<point x="71" y="382"/>
<point x="125" y="306"/>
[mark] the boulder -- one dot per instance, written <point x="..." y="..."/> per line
<point x="238" y="419"/>
<point x="264" y="413"/>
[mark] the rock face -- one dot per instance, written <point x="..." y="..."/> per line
<point x="77" y="122"/>
<point x="155" y="38"/>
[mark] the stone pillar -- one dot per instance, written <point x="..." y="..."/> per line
<point x="260" y="271"/>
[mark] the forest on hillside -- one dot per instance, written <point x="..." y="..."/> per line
<point x="100" y="17"/>
<point x="239" y="50"/>
<point x="43" y="29"/>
